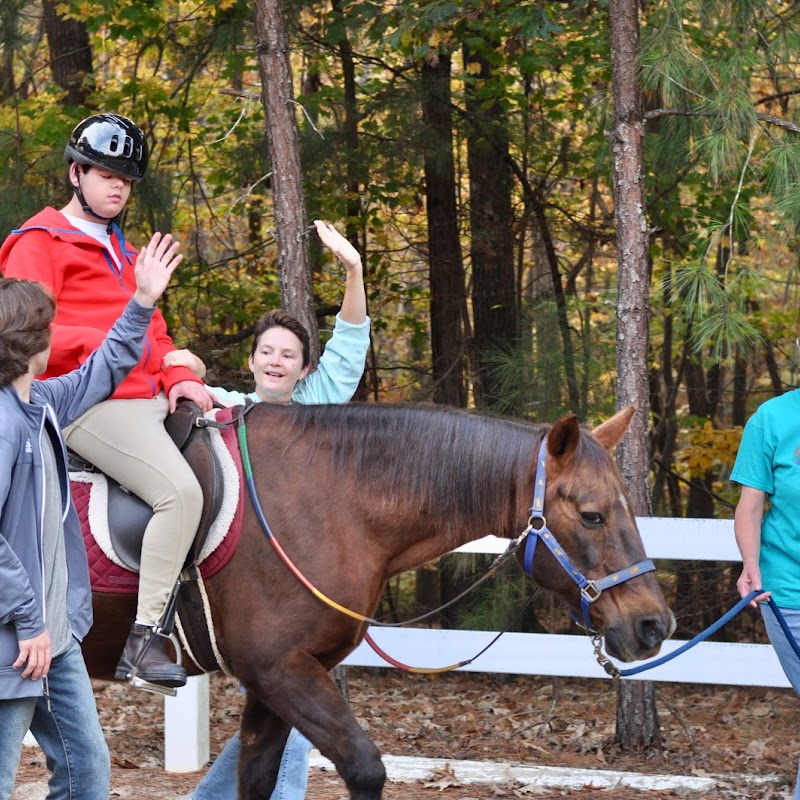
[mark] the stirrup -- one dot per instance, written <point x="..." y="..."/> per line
<point x="133" y="669"/>
<point x="155" y="688"/>
<point x="175" y="643"/>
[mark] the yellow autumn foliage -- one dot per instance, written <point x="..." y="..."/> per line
<point x="708" y="448"/>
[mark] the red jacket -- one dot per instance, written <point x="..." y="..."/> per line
<point x="91" y="293"/>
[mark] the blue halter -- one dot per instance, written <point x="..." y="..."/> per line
<point x="590" y="590"/>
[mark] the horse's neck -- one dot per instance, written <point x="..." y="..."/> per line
<point x="417" y="526"/>
<point x="430" y="543"/>
<point x="416" y="498"/>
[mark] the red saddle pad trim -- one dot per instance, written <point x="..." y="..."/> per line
<point x="106" y="576"/>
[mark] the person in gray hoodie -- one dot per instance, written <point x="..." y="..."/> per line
<point x="45" y="595"/>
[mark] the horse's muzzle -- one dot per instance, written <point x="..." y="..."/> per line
<point x="640" y="639"/>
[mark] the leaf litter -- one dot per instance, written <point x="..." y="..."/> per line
<point x="537" y="721"/>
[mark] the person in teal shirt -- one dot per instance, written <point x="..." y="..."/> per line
<point x="280" y="362"/>
<point x="768" y="468"/>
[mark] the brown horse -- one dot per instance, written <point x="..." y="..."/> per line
<point x="356" y="494"/>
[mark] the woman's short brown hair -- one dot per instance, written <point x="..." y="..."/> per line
<point x="277" y="318"/>
<point x="27" y="310"/>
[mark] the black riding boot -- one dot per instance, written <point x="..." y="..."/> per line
<point x="145" y="657"/>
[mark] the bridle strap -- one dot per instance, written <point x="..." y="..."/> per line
<point x="590" y="589"/>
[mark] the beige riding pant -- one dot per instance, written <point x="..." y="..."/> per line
<point x="126" y="439"/>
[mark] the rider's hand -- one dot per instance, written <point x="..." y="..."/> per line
<point x="749" y="580"/>
<point x="184" y="358"/>
<point x="35" y="654"/>
<point x="154" y="267"/>
<point x="191" y="390"/>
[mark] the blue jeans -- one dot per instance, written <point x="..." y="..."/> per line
<point x="786" y="655"/>
<point x="220" y="782"/>
<point x="68" y="732"/>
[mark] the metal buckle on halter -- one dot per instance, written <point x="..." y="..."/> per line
<point x="531" y="527"/>
<point x="586" y="592"/>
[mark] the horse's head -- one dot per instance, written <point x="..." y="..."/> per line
<point x="586" y="510"/>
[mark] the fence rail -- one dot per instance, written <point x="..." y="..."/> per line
<point x="572" y="656"/>
<point x="525" y="653"/>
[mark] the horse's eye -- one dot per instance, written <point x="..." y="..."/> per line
<point x="592" y="519"/>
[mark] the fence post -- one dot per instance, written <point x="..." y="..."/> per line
<point x="186" y="727"/>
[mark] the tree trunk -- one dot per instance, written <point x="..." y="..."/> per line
<point x="637" y="716"/>
<point x="70" y="55"/>
<point x="549" y="363"/>
<point x="354" y="230"/>
<point x="739" y="404"/>
<point x="698" y="602"/>
<point x="291" y="221"/>
<point x="664" y="395"/>
<point x="494" y="305"/>
<point x="448" y="292"/>
<point x="10" y="35"/>
<point x="769" y="357"/>
<point x="350" y="128"/>
<point x="549" y="248"/>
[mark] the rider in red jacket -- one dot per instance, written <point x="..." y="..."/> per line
<point x="81" y="254"/>
<point x="91" y="295"/>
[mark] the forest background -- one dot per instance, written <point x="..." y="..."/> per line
<point x="469" y="149"/>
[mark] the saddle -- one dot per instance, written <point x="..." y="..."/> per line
<point x="128" y="514"/>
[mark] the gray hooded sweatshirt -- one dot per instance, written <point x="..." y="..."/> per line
<point x="54" y="403"/>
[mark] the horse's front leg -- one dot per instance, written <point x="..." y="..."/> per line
<point x="263" y="738"/>
<point x="302" y="693"/>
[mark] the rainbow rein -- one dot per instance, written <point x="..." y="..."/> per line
<point x="590" y="590"/>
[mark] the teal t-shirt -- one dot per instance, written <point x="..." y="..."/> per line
<point x="769" y="460"/>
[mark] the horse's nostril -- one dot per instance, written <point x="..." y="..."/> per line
<point x="650" y="632"/>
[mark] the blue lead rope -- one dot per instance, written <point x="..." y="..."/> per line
<point x="782" y="621"/>
<point x="724" y="620"/>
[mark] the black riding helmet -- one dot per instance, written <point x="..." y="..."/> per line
<point x="109" y="141"/>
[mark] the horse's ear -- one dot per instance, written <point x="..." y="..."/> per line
<point x="563" y="437"/>
<point x="612" y="430"/>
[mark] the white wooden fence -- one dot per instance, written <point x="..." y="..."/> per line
<point x="186" y="716"/>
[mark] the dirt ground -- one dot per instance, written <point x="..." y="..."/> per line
<point x="556" y="722"/>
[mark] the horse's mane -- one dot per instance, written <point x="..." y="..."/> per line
<point x="452" y="463"/>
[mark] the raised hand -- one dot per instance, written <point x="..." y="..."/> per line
<point x="154" y="267"/>
<point x="338" y="245"/>
<point x="354" y="302"/>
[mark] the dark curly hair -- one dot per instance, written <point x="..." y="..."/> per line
<point x="277" y="318"/>
<point x="26" y="311"/>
